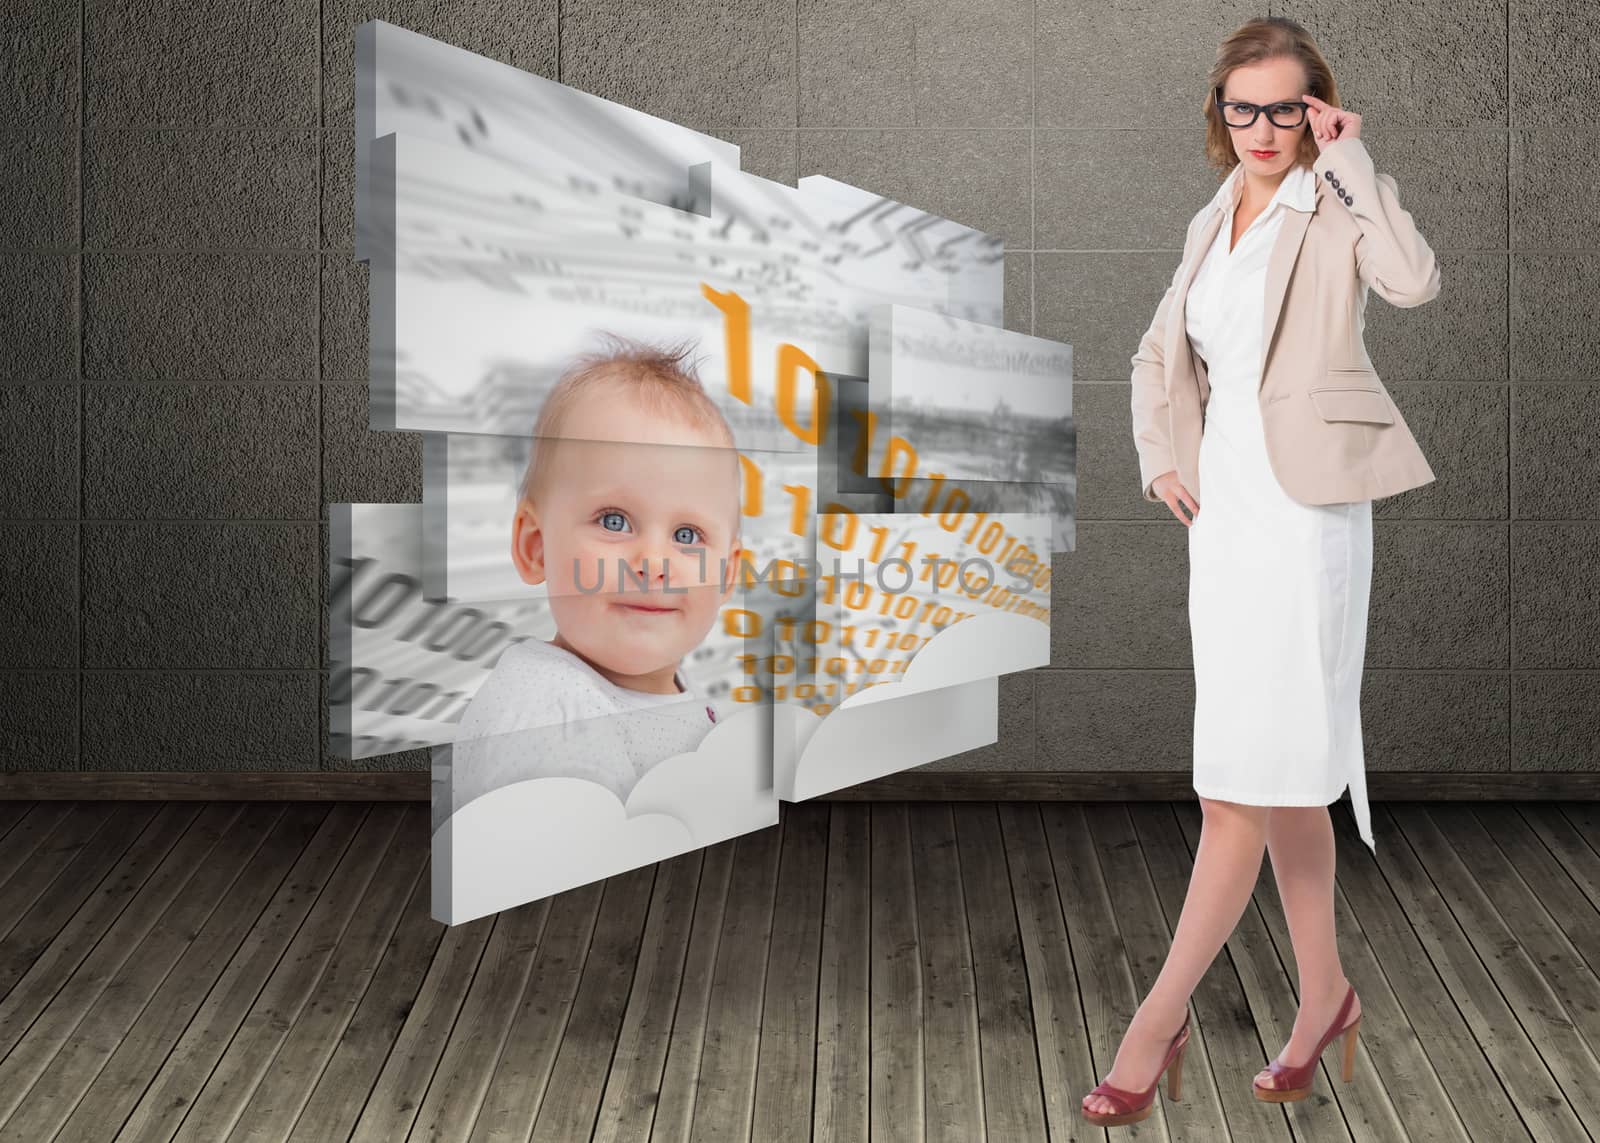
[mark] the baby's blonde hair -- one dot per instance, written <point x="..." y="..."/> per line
<point x="655" y="376"/>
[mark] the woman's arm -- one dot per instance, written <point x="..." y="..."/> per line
<point x="1152" y="430"/>
<point x="1391" y="256"/>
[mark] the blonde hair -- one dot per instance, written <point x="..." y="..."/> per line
<point x="656" y="376"/>
<point x="1265" y="38"/>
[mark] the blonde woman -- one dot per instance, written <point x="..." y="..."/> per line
<point x="1253" y="395"/>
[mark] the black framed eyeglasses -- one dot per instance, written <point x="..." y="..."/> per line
<point x="1237" y="113"/>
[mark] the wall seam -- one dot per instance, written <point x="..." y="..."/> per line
<point x="83" y="124"/>
<point x="1511" y="511"/>
<point x="320" y="754"/>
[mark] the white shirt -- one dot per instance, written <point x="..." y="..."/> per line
<point x="1224" y="310"/>
<point x="544" y="712"/>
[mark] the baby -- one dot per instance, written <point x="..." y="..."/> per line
<point x="630" y="512"/>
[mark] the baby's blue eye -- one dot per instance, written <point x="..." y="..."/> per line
<point x="686" y="530"/>
<point x="607" y="516"/>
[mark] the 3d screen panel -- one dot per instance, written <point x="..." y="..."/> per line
<point x="485" y="280"/>
<point x="475" y="483"/>
<point x="907" y="604"/>
<point x="661" y="361"/>
<point x="532" y="812"/>
<point x="964" y="413"/>
<point x="411" y="84"/>
<point x="403" y="666"/>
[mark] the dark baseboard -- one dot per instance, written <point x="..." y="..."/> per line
<point x="947" y="786"/>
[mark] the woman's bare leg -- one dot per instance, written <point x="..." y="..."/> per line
<point x="1300" y="840"/>
<point x="1226" y="864"/>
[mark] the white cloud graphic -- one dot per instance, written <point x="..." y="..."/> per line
<point x="996" y="643"/>
<point x="540" y="836"/>
<point x="947" y="701"/>
<point x="855" y="744"/>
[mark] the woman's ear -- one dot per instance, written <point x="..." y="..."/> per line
<point x="527" y="544"/>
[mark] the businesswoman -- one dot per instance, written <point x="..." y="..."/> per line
<point x="1257" y="411"/>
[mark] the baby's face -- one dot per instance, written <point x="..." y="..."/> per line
<point x="657" y="495"/>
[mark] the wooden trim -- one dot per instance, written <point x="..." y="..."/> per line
<point x="948" y="786"/>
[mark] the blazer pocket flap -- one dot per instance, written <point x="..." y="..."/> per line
<point x="1351" y="403"/>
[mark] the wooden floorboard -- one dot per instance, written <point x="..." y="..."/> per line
<point x="893" y="1035"/>
<point x="1227" y="1050"/>
<point x="1554" y="992"/>
<point x="842" y="1108"/>
<point x="1416" y="1025"/>
<point x="863" y="971"/>
<point x="953" y="1101"/>
<point x="164" y="1099"/>
<point x="1013" y="1101"/>
<point x="786" y="1051"/>
<point x="47" y="1073"/>
<point x="1142" y="937"/>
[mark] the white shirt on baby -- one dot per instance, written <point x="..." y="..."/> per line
<point x="544" y="712"/>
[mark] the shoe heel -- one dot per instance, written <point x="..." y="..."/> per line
<point x="1350" y="1037"/>
<point x="1175" y="1074"/>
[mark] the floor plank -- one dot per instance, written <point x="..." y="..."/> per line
<point x="953" y="1105"/>
<point x="578" y="1063"/>
<point x="42" y="922"/>
<point x="206" y="865"/>
<point x="633" y="1080"/>
<point x="895" y="1030"/>
<point x="785" y="1092"/>
<point x="219" y="1103"/>
<point x="1009" y="1068"/>
<point x="1046" y="946"/>
<point x="841" y="1108"/>
<point x="1367" y="1106"/>
<point x="1226" y="1051"/>
<point x="429" y="1023"/>
<point x="296" y="1067"/>
<point x="375" y="1028"/>
<point x="1145" y="937"/>
<point x="166" y="1098"/>
<point x="675" y="1108"/>
<point x="215" y="952"/>
<point x="1472" y="882"/>
<point x="1394" y="1091"/>
<point x="725" y="1084"/>
<point x="1470" y="986"/>
<point x="523" y="975"/>
<point x="861" y="971"/>
<point x="1423" y="1016"/>
<point x="1105" y="981"/>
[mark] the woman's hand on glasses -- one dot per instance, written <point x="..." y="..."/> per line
<point x="1329" y="124"/>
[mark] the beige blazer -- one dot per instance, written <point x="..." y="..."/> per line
<point x="1332" y="431"/>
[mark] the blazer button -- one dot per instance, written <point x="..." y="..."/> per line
<point x="1335" y="182"/>
<point x="1328" y="175"/>
<point x="1349" y="200"/>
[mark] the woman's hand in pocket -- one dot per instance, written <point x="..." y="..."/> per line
<point x="1170" y="489"/>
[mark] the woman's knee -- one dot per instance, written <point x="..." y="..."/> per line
<point x="1218" y="810"/>
<point x="1297" y="817"/>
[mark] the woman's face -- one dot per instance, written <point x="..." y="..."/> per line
<point x="1264" y="84"/>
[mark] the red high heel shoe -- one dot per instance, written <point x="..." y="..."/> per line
<point x="1296" y="1082"/>
<point x="1137" y="1105"/>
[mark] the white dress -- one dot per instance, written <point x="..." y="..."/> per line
<point x="1278" y="589"/>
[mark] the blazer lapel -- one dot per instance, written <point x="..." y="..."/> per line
<point x="1280" y="263"/>
<point x="1178" y="347"/>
